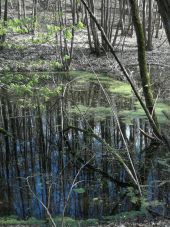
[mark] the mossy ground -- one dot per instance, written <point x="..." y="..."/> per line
<point x="68" y="222"/>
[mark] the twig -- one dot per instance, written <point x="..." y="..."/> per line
<point x="39" y="200"/>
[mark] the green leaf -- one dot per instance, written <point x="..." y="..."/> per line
<point x="67" y="34"/>
<point x="79" y="190"/>
<point x="80" y="25"/>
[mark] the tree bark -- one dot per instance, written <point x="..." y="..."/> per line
<point x="164" y="10"/>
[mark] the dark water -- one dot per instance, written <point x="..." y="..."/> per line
<point x="41" y="162"/>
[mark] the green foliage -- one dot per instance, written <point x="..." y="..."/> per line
<point x="67" y="34"/>
<point x="47" y="92"/>
<point x="52" y="29"/>
<point x="79" y="190"/>
<point x="66" y="58"/>
<point x="55" y="65"/>
<point x="132" y="194"/>
<point x="80" y="25"/>
<point x="41" y="38"/>
<point x="21" y="90"/>
<point x="3" y="29"/>
<point x="21" y="26"/>
<point x="29" y="85"/>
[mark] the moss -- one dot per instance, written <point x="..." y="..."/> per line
<point x="124" y="216"/>
<point x="111" y="85"/>
<point x="13" y="220"/>
<point x="70" y="222"/>
<point x="99" y="113"/>
<point x="121" y="88"/>
<point x="128" y="115"/>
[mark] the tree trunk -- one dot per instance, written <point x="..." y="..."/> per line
<point x="24" y="8"/>
<point x="34" y="13"/>
<point x="19" y="9"/>
<point x="149" y="42"/>
<point x="0" y="10"/>
<point x="6" y="11"/>
<point x="164" y="10"/>
<point x="145" y="78"/>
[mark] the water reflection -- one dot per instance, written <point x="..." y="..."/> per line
<point x="35" y="153"/>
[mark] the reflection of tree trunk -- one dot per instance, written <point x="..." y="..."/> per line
<point x="145" y="166"/>
<point x="14" y="126"/>
<point x="7" y="144"/>
<point x="41" y="141"/>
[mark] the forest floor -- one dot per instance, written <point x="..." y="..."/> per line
<point x="146" y="223"/>
<point x="18" y="49"/>
<point x="21" y="55"/>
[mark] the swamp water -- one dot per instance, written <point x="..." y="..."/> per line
<point x="70" y="172"/>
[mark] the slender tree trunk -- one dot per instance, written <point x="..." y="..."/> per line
<point x="34" y="15"/>
<point x="94" y="30"/>
<point x="149" y="42"/>
<point x="0" y="9"/>
<point x="24" y="8"/>
<point x="19" y="9"/>
<point x="144" y="18"/>
<point x="6" y="11"/>
<point x="164" y="9"/>
<point x="5" y="19"/>
<point x="145" y="78"/>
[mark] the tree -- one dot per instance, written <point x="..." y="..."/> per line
<point x="145" y="78"/>
<point x="164" y="9"/>
<point x="149" y="107"/>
